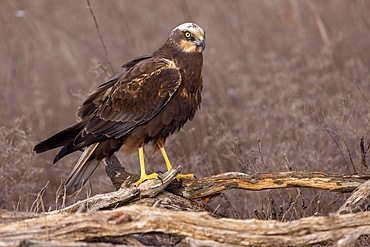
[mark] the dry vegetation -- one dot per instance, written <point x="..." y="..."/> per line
<point x="287" y="87"/>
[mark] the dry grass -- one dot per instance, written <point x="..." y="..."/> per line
<point x="18" y="168"/>
<point x="286" y="87"/>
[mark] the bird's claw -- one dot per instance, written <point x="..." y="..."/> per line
<point x="146" y="177"/>
<point x="185" y="176"/>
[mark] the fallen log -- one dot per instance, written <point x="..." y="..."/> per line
<point x="134" y="219"/>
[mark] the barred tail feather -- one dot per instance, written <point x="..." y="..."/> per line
<point x="81" y="172"/>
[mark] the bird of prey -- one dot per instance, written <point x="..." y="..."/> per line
<point x="150" y="99"/>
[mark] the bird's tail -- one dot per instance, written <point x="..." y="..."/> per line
<point x="81" y="172"/>
<point x="60" y="139"/>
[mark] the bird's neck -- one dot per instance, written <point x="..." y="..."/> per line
<point x="182" y="59"/>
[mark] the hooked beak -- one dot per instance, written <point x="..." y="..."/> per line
<point x="201" y="43"/>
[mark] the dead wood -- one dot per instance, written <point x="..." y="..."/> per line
<point x="208" y="186"/>
<point x="7" y="216"/>
<point x="54" y="243"/>
<point x="212" y="185"/>
<point x="100" y="201"/>
<point x="136" y="219"/>
<point x="359" y="200"/>
<point x="118" y="198"/>
<point x="147" y="219"/>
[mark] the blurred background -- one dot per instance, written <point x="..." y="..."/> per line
<point x="286" y="87"/>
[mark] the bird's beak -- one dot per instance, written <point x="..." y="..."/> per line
<point x="201" y="42"/>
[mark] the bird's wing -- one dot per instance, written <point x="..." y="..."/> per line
<point x="135" y="98"/>
<point x="96" y="98"/>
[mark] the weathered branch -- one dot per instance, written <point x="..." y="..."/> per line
<point x="199" y="226"/>
<point x="114" y="199"/>
<point x="100" y="201"/>
<point x="208" y="186"/>
<point x="359" y="200"/>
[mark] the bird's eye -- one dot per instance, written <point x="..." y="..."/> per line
<point x="187" y="34"/>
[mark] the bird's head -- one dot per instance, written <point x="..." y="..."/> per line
<point x="189" y="37"/>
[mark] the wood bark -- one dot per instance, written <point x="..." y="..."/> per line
<point x="136" y="219"/>
<point x="208" y="186"/>
<point x="359" y="200"/>
<point x="212" y="185"/>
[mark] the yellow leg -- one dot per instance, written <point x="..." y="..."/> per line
<point x="143" y="175"/>
<point x="165" y="157"/>
<point x="169" y="166"/>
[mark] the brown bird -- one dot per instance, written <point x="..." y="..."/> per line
<point x="150" y="99"/>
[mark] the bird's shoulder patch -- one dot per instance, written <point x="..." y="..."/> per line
<point x="149" y="76"/>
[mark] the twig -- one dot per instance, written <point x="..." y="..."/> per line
<point x="100" y="37"/>
<point x="36" y="204"/>
<point x="287" y="165"/>
<point x="359" y="89"/>
<point x="330" y="132"/>
<point x="363" y="155"/>
<point x="260" y="152"/>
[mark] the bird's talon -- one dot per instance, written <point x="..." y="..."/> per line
<point x="185" y="176"/>
<point x="146" y="177"/>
